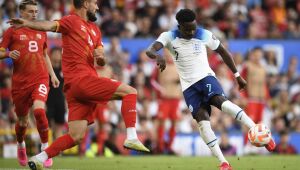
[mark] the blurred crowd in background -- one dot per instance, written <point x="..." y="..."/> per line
<point x="276" y="91"/>
<point x="253" y="19"/>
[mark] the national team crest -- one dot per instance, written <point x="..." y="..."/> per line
<point x="23" y="37"/>
<point x="197" y="48"/>
<point x="38" y="36"/>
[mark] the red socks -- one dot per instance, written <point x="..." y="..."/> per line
<point x="128" y="110"/>
<point x="101" y="136"/>
<point x="20" y="132"/>
<point x="60" y="144"/>
<point x="172" y="134"/>
<point x="41" y="124"/>
<point x="160" y="138"/>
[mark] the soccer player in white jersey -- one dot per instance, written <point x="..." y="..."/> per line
<point x="200" y="87"/>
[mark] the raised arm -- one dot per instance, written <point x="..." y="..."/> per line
<point x="154" y="47"/>
<point x="152" y="53"/>
<point x="36" y="25"/>
<point x="227" y="58"/>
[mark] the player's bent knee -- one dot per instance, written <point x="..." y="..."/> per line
<point x="217" y="101"/>
<point x="23" y="121"/>
<point x="124" y="90"/>
<point x="38" y="104"/>
<point x="77" y="137"/>
<point x="131" y="90"/>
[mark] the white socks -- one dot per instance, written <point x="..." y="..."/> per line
<point x="44" y="146"/>
<point x="237" y="113"/>
<point x="21" y="145"/>
<point x="131" y="133"/>
<point x="42" y="157"/>
<point x="211" y="140"/>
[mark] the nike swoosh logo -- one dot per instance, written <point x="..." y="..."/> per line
<point x="175" y="48"/>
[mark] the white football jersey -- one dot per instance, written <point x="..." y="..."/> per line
<point x="190" y="56"/>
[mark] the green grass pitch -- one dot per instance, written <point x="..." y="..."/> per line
<point x="165" y="163"/>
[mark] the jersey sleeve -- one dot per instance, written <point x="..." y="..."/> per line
<point x="6" y="39"/>
<point x="64" y="24"/>
<point x="164" y="38"/>
<point x="212" y="41"/>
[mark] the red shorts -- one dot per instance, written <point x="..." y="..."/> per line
<point x="23" y="99"/>
<point x="255" y="109"/>
<point x="99" y="113"/>
<point x="168" y="108"/>
<point x="85" y="93"/>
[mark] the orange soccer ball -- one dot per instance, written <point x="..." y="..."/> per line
<point x="259" y="135"/>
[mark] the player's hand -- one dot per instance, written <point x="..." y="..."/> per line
<point x="99" y="56"/>
<point x="14" y="54"/>
<point x="17" y="22"/>
<point x="55" y="82"/>
<point x="242" y="83"/>
<point x="100" y="61"/>
<point x="161" y="63"/>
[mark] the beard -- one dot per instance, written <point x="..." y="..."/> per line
<point x="91" y="16"/>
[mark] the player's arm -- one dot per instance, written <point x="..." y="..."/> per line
<point x="152" y="53"/>
<point x="36" y="25"/>
<point x="9" y="54"/>
<point x="99" y="55"/>
<point x="227" y="58"/>
<point x="5" y="44"/>
<point x="54" y="80"/>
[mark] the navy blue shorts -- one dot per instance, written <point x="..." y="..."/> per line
<point x="199" y="94"/>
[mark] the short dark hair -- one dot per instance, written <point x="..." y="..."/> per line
<point x="78" y="3"/>
<point x="23" y="4"/>
<point x="185" y="15"/>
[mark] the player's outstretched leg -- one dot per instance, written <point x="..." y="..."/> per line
<point x="34" y="164"/>
<point x="239" y="115"/>
<point x="128" y="110"/>
<point x="211" y="140"/>
<point x="43" y="128"/>
<point x="20" y="129"/>
<point x="77" y="129"/>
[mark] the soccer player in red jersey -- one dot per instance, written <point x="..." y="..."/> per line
<point x="30" y="80"/>
<point x="83" y="88"/>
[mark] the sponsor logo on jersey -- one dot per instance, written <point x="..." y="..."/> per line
<point x="23" y="37"/>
